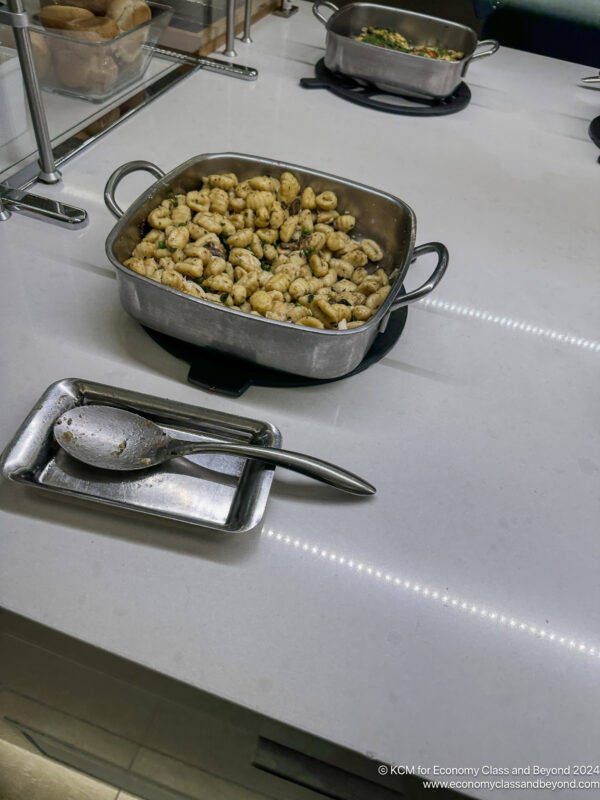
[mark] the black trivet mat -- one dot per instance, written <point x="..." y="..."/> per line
<point x="231" y="376"/>
<point x="366" y="95"/>
<point x="594" y="132"/>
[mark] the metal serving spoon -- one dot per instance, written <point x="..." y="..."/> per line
<point x="112" y="438"/>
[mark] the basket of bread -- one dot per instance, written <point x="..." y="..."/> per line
<point x="92" y="49"/>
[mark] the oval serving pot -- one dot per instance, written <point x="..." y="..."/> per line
<point x="270" y="343"/>
<point x="391" y="70"/>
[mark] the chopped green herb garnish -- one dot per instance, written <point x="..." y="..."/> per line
<point x="384" y="37"/>
<point x="200" y="280"/>
<point x="224" y="296"/>
<point x="311" y="297"/>
<point x="297" y="303"/>
<point x="249" y="247"/>
<point x="380" y="41"/>
<point x="308" y="251"/>
<point x="182" y="225"/>
<point x="305" y="231"/>
<point x="162" y="246"/>
<point x="265" y="265"/>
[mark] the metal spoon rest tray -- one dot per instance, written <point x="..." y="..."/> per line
<point x="213" y="490"/>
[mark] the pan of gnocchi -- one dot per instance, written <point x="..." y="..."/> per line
<point x="282" y="265"/>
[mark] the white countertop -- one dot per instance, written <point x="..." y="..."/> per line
<point x="455" y="618"/>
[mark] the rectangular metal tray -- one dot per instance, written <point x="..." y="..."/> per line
<point x="214" y="490"/>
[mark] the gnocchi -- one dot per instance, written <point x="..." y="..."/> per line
<point x="267" y="247"/>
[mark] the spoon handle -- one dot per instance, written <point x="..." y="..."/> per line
<point x="313" y="467"/>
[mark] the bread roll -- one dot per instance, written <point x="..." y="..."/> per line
<point x="41" y="53"/>
<point x="128" y="13"/>
<point x="60" y="16"/>
<point x="97" y="7"/>
<point x="128" y="51"/>
<point x="92" y="29"/>
<point x="102" y="74"/>
<point x="94" y="73"/>
<point x="86" y="63"/>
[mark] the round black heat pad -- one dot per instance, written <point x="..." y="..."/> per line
<point x="594" y="131"/>
<point x="366" y="95"/>
<point x="231" y="376"/>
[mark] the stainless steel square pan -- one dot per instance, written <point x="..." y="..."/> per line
<point x="279" y="345"/>
<point x="391" y="70"/>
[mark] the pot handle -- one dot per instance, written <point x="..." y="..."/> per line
<point x="429" y="285"/>
<point x="315" y="9"/>
<point x="492" y="46"/>
<point x="118" y="175"/>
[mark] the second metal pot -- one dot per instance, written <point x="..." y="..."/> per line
<point x="391" y="70"/>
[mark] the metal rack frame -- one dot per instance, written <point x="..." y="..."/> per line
<point x="18" y="19"/>
<point x="13" y="194"/>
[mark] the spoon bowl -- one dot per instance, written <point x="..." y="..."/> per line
<point x="111" y="438"/>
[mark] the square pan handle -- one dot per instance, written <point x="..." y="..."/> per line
<point x="431" y="282"/>
<point x="118" y="175"/>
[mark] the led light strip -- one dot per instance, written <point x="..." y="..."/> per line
<point x="514" y="324"/>
<point x="447" y="600"/>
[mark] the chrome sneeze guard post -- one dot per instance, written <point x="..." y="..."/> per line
<point x="230" y="31"/>
<point x="246" y="38"/>
<point x="52" y="210"/>
<point x="286" y="10"/>
<point x="48" y="172"/>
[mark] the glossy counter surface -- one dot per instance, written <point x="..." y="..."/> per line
<point x="452" y="620"/>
